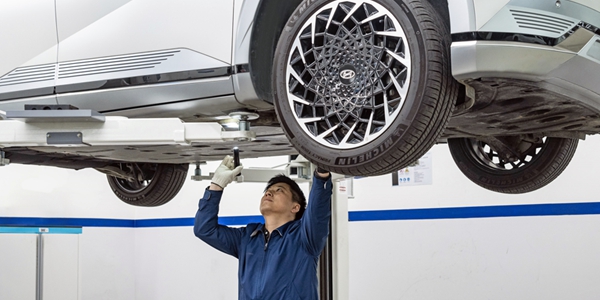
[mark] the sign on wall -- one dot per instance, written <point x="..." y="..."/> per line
<point x="419" y="173"/>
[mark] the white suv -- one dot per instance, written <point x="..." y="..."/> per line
<point x="357" y="87"/>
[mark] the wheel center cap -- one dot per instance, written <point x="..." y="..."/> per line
<point x="347" y="74"/>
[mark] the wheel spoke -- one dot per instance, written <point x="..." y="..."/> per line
<point x="328" y="132"/>
<point x="390" y="33"/>
<point x="296" y="76"/>
<point x="297" y="46"/>
<point x="403" y="61"/>
<point x="299" y="100"/>
<point x="368" y="131"/>
<point x="138" y="177"/>
<point x="402" y="90"/>
<point x="372" y="17"/>
<point x="512" y="160"/>
<point x="310" y="120"/>
<point x="351" y="12"/>
<point x="349" y="134"/>
<point x="311" y="23"/>
<point x="333" y="9"/>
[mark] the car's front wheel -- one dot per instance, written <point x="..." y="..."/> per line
<point x="513" y="164"/>
<point x="148" y="184"/>
<point x="363" y="87"/>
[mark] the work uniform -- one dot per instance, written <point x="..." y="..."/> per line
<point x="280" y="265"/>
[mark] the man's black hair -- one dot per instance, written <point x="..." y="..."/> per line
<point x="297" y="194"/>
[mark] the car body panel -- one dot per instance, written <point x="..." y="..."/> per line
<point x="31" y="62"/>
<point x="132" y="39"/>
<point x="517" y="16"/>
<point x="526" y="20"/>
<point x="574" y="76"/>
<point x="242" y="82"/>
<point x="117" y="99"/>
<point x="462" y="16"/>
<point x="475" y="59"/>
<point x="139" y="26"/>
<point x="98" y="70"/>
<point x="37" y="22"/>
<point x="538" y="41"/>
<point x="245" y="12"/>
<point x="127" y="54"/>
<point x="486" y="10"/>
<point x="593" y="4"/>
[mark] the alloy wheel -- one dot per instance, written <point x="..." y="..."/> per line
<point x="348" y="73"/>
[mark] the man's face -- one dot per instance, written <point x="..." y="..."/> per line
<point x="278" y="200"/>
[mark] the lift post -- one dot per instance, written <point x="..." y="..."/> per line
<point x="340" y="256"/>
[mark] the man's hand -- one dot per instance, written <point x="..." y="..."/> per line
<point x="225" y="174"/>
<point x="322" y="172"/>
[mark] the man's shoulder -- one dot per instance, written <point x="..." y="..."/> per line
<point x="253" y="226"/>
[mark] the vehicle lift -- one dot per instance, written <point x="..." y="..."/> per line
<point x="63" y="126"/>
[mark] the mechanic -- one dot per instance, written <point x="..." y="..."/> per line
<point x="277" y="259"/>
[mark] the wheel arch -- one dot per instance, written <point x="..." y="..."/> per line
<point x="269" y="20"/>
<point x="441" y="6"/>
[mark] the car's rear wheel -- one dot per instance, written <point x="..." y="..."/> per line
<point x="148" y="184"/>
<point x="513" y="165"/>
<point x="363" y="87"/>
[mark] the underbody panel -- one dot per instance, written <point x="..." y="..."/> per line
<point x="512" y="107"/>
<point x="270" y="141"/>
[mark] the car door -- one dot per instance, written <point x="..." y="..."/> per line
<point x="28" y="53"/>
<point x="112" y="50"/>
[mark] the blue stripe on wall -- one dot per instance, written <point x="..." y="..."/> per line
<point x="588" y="208"/>
<point x="229" y="221"/>
<point x="478" y="212"/>
<point x="41" y="230"/>
<point x="81" y="222"/>
<point x="174" y="222"/>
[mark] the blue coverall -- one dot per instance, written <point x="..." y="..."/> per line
<point x="281" y="267"/>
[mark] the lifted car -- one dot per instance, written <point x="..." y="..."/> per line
<point x="359" y="87"/>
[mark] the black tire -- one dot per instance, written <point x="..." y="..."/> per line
<point x="485" y="167"/>
<point x="362" y="141"/>
<point x="157" y="185"/>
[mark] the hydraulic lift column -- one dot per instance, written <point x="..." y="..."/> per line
<point x="334" y="261"/>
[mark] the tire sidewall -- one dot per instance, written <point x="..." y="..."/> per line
<point x="515" y="181"/>
<point x="400" y="127"/>
<point x="164" y="185"/>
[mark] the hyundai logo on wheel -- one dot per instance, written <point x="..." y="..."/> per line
<point x="347" y="74"/>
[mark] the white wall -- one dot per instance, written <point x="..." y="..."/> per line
<point x="549" y="257"/>
<point x="542" y="257"/>
<point x="493" y="258"/>
<point x="107" y="260"/>
<point x="33" y="191"/>
<point x="106" y="265"/>
<point x="171" y="263"/>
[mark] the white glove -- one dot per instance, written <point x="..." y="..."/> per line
<point x="226" y="172"/>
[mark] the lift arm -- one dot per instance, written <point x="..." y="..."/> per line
<point x="88" y="128"/>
